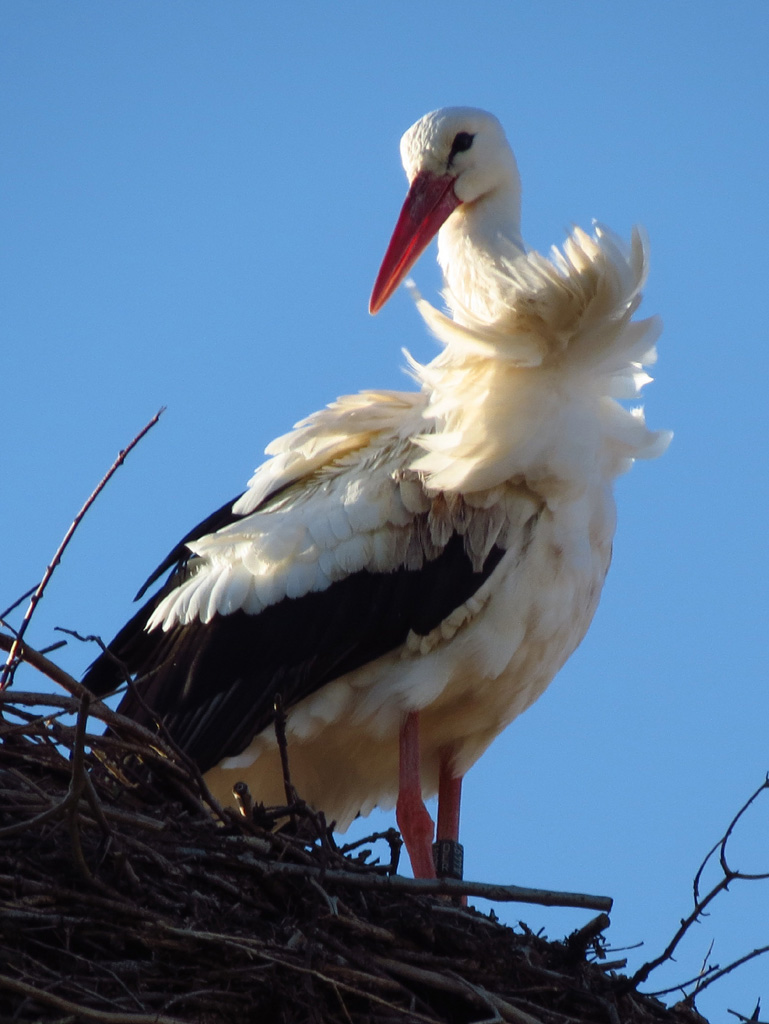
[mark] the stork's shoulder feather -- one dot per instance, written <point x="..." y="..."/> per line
<point x="347" y="426"/>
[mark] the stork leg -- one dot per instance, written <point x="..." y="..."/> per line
<point x="449" y="797"/>
<point x="413" y="819"/>
<point x="447" y="852"/>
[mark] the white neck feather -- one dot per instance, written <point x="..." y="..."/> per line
<point x="473" y="241"/>
<point x="527" y="386"/>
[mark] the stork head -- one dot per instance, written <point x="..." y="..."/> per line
<point x="456" y="156"/>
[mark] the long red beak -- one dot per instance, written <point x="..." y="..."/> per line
<point x="429" y="203"/>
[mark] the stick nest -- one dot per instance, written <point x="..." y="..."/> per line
<point x="128" y="895"/>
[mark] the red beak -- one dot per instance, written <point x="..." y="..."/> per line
<point x="429" y="203"/>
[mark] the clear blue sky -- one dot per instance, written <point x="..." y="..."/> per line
<point x="196" y="199"/>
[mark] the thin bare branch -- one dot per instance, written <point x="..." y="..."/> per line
<point x="13" y="656"/>
<point x="721" y="971"/>
<point x="280" y="736"/>
<point x="702" y="902"/>
<point x="19" y="600"/>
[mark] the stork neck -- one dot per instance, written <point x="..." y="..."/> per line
<point x="473" y="242"/>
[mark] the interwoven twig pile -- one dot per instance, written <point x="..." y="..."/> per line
<point x="127" y="895"/>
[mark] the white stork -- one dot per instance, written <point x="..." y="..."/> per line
<point x="409" y="570"/>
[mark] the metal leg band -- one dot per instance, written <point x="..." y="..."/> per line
<point x="449" y="858"/>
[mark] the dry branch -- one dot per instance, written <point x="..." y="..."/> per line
<point x="14" y="656"/>
<point x="700" y="904"/>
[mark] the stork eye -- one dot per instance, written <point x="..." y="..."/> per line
<point x="462" y="142"/>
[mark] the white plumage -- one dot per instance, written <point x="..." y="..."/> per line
<point x="493" y="482"/>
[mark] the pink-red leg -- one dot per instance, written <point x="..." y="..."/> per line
<point x="448" y="851"/>
<point x="449" y="797"/>
<point x="414" y="821"/>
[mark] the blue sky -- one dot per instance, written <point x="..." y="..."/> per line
<point x="196" y="199"/>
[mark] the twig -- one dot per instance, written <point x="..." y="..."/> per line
<point x="19" y="600"/>
<point x="150" y="741"/>
<point x="13" y="656"/>
<point x="579" y="940"/>
<point x="343" y="1005"/>
<point x="753" y="1017"/>
<point x="280" y="735"/>
<point x="69" y="802"/>
<point x="610" y="965"/>
<point x="721" y="845"/>
<point x="332" y="902"/>
<point x="41" y="663"/>
<point x="95" y="805"/>
<point x="456" y="986"/>
<point x="701" y="903"/>
<point x="704" y="970"/>
<point x="58" y="951"/>
<point x="251" y="947"/>
<point x="444" y="887"/>
<point x="715" y="973"/>
<point x="393" y="839"/>
<point x="76" y="786"/>
<point x="104" y="1017"/>
<point x="53" y="647"/>
<point x="681" y="986"/>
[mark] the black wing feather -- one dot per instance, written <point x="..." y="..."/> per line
<point x="214" y="684"/>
